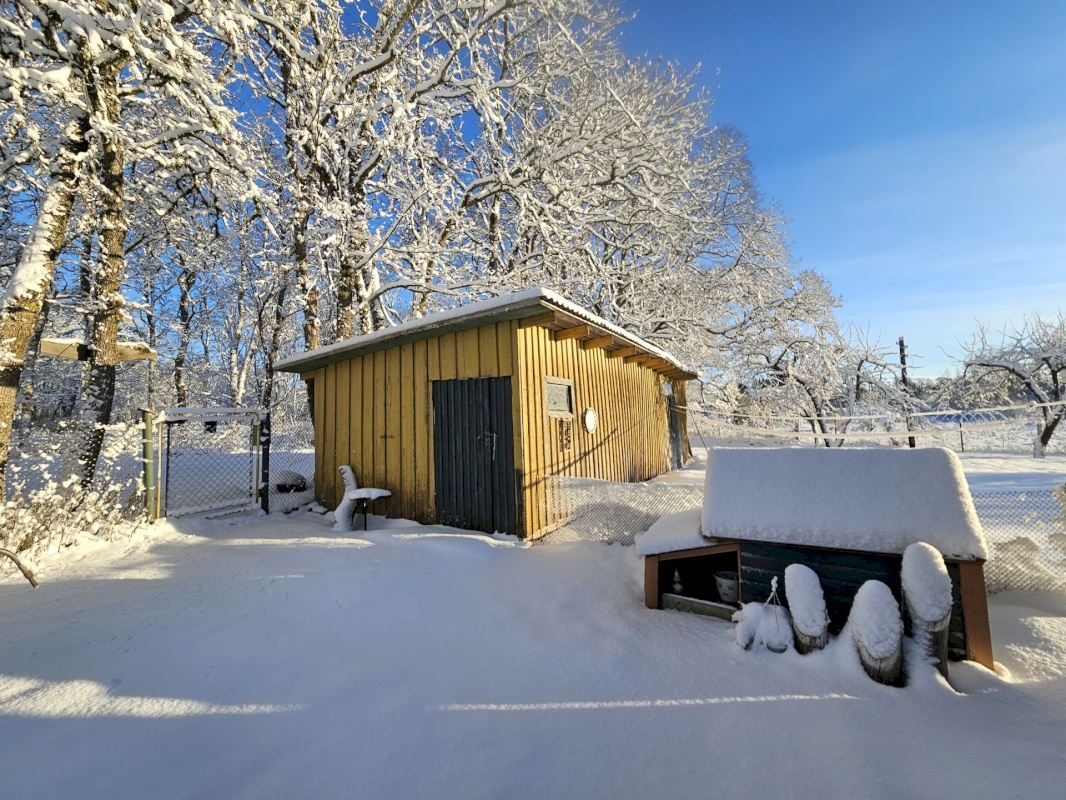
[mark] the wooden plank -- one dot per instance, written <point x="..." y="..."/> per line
<point x="651" y="581"/>
<point x="318" y="382"/>
<point x="330" y="427"/>
<point x="378" y="475"/>
<point x="576" y="332"/>
<point x="488" y="357"/>
<point x="541" y="319"/>
<point x="406" y="433"/>
<point x="391" y="433"/>
<point x="422" y="495"/>
<point x="355" y="415"/>
<point x="505" y="348"/>
<point x="342" y="428"/>
<point x="975" y="612"/>
<point x="448" y="370"/>
<point x="597" y="342"/>
<point x="467" y="358"/>
<point x="433" y="358"/>
<point x="709" y="550"/>
<point x="365" y="476"/>
<point x="693" y="605"/>
<point x="621" y="352"/>
<point x="639" y="359"/>
<point x="73" y="350"/>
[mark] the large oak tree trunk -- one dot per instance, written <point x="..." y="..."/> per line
<point x="24" y="298"/>
<point x="108" y="304"/>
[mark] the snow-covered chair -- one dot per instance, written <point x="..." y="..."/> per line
<point x="353" y="501"/>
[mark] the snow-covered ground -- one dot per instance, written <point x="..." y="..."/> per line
<point x="273" y="657"/>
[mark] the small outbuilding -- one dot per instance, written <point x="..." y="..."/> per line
<point x="476" y="417"/>
<point x="848" y="514"/>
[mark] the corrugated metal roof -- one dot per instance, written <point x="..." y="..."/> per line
<point x="519" y="305"/>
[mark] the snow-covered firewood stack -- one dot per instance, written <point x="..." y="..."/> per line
<point x="927" y="597"/>
<point x="810" y="621"/>
<point x="877" y="629"/>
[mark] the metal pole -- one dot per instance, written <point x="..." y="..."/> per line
<point x="166" y="482"/>
<point x="264" y="475"/>
<point x="148" y="456"/>
<point x="906" y="387"/>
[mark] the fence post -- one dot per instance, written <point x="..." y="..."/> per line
<point x="148" y="457"/>
<point x="264" y="441"/>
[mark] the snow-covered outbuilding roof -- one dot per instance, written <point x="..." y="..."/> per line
<point x="856" y="499"/>
<point x="535" y="302"/>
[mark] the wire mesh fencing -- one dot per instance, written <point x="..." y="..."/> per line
<point x="50" y="501"/>
<point x="1026" y="535"/>
<point x="209" y="460"/>
<point x="615" y="513"/>
<point x="1025" y="530"/>
<point x="292" y="463"/>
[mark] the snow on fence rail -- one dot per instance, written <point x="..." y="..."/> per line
<point x="999" y="428"/>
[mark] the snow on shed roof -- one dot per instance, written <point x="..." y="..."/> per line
<point x="855" y="499"/>
<point x="519" y="305"/>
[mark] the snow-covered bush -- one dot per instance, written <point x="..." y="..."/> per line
<point x="48" y="508"/>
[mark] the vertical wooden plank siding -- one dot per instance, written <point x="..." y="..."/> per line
<point x="405" y="432"/>
<point x="365" y="475"/>
<point x="375" y="413"/>
<point x="330" y="426"/>
<point x="355" y="415"/>
<point x="975" y="612"/>
<point x="631" y="442"/>
<point x="651" y="581"/>
<point x="340" y="427"/>
<point x="319" y="381"/>
<point x="421" y="486"/>
<point x="377" y="466"/>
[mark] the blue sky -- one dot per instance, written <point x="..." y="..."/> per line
<point x="918" y="149"/>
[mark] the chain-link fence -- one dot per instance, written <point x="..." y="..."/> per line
<point x="50" y="504"/>
<point x="1025" y="530"/>
<point x="1026" y="535"/>
<point x="614" y="513"/>
<point x="209" y="460"/>
<point x="224" y="460"/>
<point x="292" y="463"/>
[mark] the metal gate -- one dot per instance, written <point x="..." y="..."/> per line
<point x="210" y="460"/>
<point x="473" y="446"/>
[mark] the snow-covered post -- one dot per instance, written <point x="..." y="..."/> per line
<point x="877" y="629"/>
<point x="810" y="620"/>
<point x="148" y="457"/>
<point x="927" y="597"/>
<point x="264" y="474"/>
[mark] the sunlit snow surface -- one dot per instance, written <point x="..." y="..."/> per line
<point x="271" y="657"/>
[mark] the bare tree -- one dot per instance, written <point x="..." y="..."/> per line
<point x="1024" y="361"/>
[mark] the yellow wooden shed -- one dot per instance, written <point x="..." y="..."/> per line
<point x="478" y="416"/>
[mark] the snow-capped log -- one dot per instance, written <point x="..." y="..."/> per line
<point x="877" y="629"/>
<point x="806" y="603"/>
<point x="927" y="598"/>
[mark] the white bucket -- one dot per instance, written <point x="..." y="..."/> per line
<point x="727" y="586"/>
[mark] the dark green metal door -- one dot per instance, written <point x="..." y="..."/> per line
<point x="473" y="453"/>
